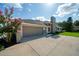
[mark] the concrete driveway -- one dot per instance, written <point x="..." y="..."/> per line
<point x="45" y="46"/>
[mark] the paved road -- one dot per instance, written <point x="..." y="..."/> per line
<point x="45" y="46"/>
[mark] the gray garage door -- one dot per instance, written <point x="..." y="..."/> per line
<point x="32" y="31"/>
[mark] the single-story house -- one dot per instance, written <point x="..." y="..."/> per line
<point x="76" y="28"/>
<point x="31" y="29"/>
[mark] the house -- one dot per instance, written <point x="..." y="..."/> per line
<point x="76" y="28"/>
<point x="58" y="28"/>
<point x="30" y="28"/>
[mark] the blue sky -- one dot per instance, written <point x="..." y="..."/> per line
<point x="43" y="11"/>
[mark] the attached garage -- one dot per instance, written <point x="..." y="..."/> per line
<point x="29" y="30"/>
<point x="32" y="29"/>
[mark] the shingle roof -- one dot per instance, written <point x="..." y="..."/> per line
<point x="33" y="21"/>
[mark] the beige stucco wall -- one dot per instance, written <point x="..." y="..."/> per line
<point x="19" y="33"/>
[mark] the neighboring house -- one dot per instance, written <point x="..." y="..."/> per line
<point x="58" y="28"/>
<point x="76" y="28"/>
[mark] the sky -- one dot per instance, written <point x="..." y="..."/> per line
<point x="43" y="11"/>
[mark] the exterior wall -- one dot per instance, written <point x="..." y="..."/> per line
<point x="76" y="28"/>
<point x="58" y="29"/>
<point x="49" y="29"/>
<point x="19" y="33"/>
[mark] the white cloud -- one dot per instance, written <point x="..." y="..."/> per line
<point x="29" y="10"/>
<point x="66" y="9"/>
<point x="30" y="4"/>
<point x="41" y="18"/>
<point x="15" y="5"/>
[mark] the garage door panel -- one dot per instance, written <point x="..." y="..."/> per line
<point x="32" y="31"/>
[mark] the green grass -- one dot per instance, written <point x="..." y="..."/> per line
<point x="76" y="34"/>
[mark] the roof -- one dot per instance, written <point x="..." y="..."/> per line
<point x="33" y="21"/>
<point x="34" y="25"/>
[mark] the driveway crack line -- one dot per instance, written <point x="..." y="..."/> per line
<point x="34" y="50"/>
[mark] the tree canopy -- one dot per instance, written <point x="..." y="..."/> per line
<point x="76" y="23"/>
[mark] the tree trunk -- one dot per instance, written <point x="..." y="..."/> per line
<point x="11" y="38"/>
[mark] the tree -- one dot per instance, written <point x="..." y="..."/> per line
<point x="11" y="24"/>
<point x="63" y="25"/>
<point x="2" y="18"/>
<point x="8" y="13"/>
<point x="69" y="24"/>
<point x="76" y="23"/>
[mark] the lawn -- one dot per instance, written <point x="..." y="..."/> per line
<point x="76" y="34"/>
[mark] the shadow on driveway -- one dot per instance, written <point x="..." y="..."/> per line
<point x="52" y="36"/>
<point x="25" y="39"/>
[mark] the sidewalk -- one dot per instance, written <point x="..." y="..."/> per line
<point x="45" y="46"/>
